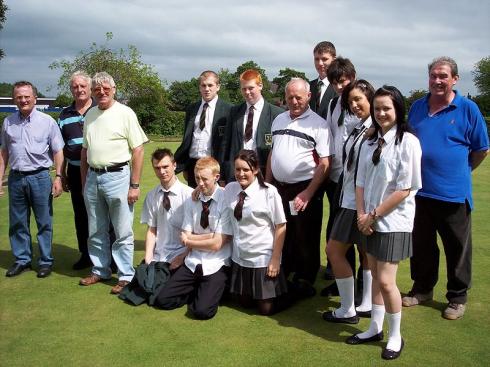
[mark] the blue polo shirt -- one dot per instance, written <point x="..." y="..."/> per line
<point x="71" y="126"/>
<point x="447" y="139"/>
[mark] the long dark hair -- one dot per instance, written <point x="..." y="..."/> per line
<point x="252" y="160"/>
<point x="364" y="86"/>
<point x="402" y="124"/>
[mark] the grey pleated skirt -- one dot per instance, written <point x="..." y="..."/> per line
<point x="392" y="246"/>
<point x="255" y="282"/>
<point x="344" y="228"/>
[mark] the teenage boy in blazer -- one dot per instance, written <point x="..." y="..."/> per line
<point x="204" y="127"/>
<point x="250" y="129"/>
<point x="321" y="90"/>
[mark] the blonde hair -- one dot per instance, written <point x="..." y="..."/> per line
<point x="207" y="162"/>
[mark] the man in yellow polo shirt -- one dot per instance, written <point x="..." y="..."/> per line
<point x="111" y="162"/>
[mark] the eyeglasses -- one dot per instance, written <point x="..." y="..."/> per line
<point x="100" y="89"/>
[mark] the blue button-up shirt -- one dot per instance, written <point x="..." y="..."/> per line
<point x="32" y="141"/>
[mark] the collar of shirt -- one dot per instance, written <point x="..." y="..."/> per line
<point x="367" y="123"/>
<point x="203" y="197"/>
<point x="211" y="103"/>
<point x="252" y="188"/>
<point x="173" y="189"/>
<point x="28" y="118"/>
<point x="304" y="115"/>
<point x="325" y="81"/>
<point x="72" y="109"/>
<point x="389" y="137"/>
<point x="257" y="106"/>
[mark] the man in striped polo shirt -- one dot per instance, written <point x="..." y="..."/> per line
<point x="71" y="124"/>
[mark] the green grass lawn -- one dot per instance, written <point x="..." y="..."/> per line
<point x="56" y="322"/>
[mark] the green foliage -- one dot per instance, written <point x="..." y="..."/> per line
<point x="483" y="102"/>
<point x="481" y="76"/>
<point x="6" y="90"/>
<point x="413" y="96"/>
<point x="133" y="77"/>
<point x="182" y="94"/>
<point x="62" y="100"/>
<point x="3" y="18"/>
<point x="283" y="78"/>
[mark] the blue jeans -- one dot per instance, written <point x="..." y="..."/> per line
<point x="106" y="199"/>
<point x="26" y="192"/>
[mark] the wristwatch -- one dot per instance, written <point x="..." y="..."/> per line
<point x="134" y="185"/>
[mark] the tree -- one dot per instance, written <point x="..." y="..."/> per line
<point x="137" y="83"/>
<point x="3" y="17"/>
<point x="481" y="76"/>
<point x="6" y="90"/>
<point x="182" y="94"/>
<point x="284" y="77"/>
<point x="414" y="95"/>
<point x="230" y="83"/>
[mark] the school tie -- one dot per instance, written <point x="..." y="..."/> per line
<point x="166" y="200"/>
<point x="239" y="206"/>
<point x="202" y="118"/>
<point x="340" y="120"/>
<point x="205" y="214"/>
<point x="250" y="124"/>
<point x="377" y="151"/>
<point x="319" y="94"/>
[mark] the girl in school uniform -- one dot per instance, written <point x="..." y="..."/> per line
<point x="387" y="180"/>
<point x="356" y="98"/>
<point x="256" y="217"/>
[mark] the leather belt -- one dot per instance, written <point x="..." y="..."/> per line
<point x="114" y="168"/>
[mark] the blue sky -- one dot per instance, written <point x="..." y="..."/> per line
<point x="389" y="41"/>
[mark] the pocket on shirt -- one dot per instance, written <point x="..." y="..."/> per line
<point x="389" y="169"/>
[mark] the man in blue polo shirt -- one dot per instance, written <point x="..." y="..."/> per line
<point x="454" y="141"/>
<point x="31" y="141"/>
<point x="71" y="123"/>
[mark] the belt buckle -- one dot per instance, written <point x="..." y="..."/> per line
<point x="105" y="169"/>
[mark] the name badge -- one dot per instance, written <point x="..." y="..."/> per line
<point x="221" y="130"/>
<point x="268" y="139"/>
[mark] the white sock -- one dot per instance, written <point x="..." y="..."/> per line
<point x="376" y="325"/>
<point x="394" y="336"/>
<point x="346" y="292"/>
<point x="367" y="281"/>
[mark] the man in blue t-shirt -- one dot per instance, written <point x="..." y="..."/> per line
<point x="454" y="140"/>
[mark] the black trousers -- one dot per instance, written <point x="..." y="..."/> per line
<point x="332" y="189"/>
<point x="189" y="169"/>
<point x="453" y="223"/>
<point x="81" y="220"/>
<point x="301" y="251"/>
<point x="202" y="293"/>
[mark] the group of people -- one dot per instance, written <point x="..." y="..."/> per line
<point x="249" y="220"/>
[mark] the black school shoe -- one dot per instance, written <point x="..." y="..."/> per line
<point x="330" y="317"/>
<point x="355" y="340"/>
<point x="391" y="354"/>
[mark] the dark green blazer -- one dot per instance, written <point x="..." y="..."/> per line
<point x="234" y="136"/>
<point x="327" y="96"/>
<point x="218" y="130"/>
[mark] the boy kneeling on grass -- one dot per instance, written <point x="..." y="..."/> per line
<point x="201" y="281"/>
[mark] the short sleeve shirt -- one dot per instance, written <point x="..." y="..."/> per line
<point x="297" y="144"/>
<point x="32" y="141"/>
<point x="110" y="135"/>
<point x="447" y="139"/>
<point x="167" y="223"/>
<point x="253" y="235"/>
<point x="211" y="261"/>
<point x="398" y="169"/>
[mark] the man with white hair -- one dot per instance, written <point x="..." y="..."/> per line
<point x="71" y="122"/>
<point x="298" y="164"/>
<point x="112" y="142"/>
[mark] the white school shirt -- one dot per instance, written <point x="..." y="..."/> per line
<point x="398" y="169"/>
<point x="348" y="194"/>
<point x="339" y="135"/>
<point x="295" y="143"/>
<point x="325" y="85"/>
<point x="211" y="261"/>
<point x="258" y="107"/>
<point x="168" y="224"/>
<point x="201" y="139"/>
<point x="253" y="235"/>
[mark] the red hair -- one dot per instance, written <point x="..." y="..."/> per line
<point x="251" y="74"/>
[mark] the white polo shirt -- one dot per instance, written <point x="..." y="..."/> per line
<point x="339" y="135"/>
<point x="201" y="139"/>
<point x="258" y="107"/>
<point x="398" y="169"/>
<point x="167" y="223"/>
<point x="211" y="261"/>
<point x="253" y="235"/>
<point x="354" y="140"/>
<point x="296" y="145"/>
